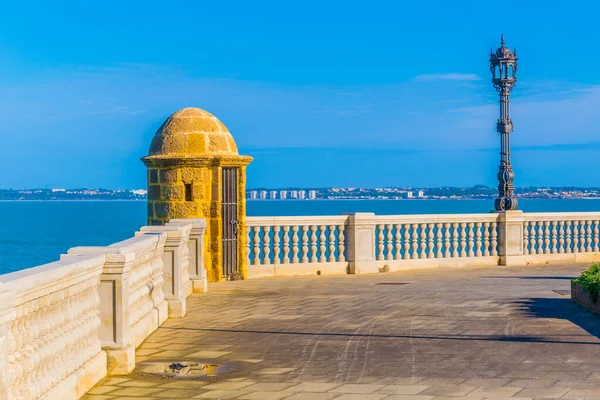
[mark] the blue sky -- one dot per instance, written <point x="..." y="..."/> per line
<point x="321" y="93"/>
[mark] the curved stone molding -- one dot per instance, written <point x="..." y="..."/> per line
<point x="49" y="327"/>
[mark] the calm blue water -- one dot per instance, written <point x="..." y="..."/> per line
<point x="34" y="233"/>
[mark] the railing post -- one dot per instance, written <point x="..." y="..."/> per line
<point x="510" y="237"/>
<point x="195" y="245"/>
<point x="177" y="286"/>
<point x="7" y="315"/>
<point x="360" y="243"/>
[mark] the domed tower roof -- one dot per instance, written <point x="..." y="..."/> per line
<point x="192" y="132"/>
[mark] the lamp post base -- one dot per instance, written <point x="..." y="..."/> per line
<point x="506" y="203"/>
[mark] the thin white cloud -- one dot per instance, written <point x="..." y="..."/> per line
<point x="447" y="77"/>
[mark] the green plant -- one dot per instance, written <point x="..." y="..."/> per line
<point x="589" y="280"/>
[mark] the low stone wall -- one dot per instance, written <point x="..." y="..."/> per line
<point x="50" y="330"/>
<point x="65" y="325"/>
<point x="583" y="298"/>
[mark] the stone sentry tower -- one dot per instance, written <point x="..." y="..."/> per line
<point x="195" y="171"/>
<point x="503" y="64"/>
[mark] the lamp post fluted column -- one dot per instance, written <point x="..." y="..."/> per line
<point x="503" y="65"/>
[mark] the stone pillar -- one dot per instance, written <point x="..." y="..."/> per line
<point x="360" y="243"/>
<point x="196" y="244"/>
<point x="116" y="335"/>
<point x="510" y="237"/>
<point x="7" y="315"/>
<point x="177" y="285"/>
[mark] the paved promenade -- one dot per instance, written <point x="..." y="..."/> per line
<point x="458" y="333"/>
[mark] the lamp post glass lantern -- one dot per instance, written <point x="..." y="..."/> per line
<point x="503" y="65"/>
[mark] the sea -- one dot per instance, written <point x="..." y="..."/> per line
<point x="37" y="232"/>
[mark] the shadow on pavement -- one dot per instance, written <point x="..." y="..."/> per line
<point x="530" y="277"/>
<point x="561" y="308"/>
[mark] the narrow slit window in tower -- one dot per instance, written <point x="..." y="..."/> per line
<point x="188" y="192"/>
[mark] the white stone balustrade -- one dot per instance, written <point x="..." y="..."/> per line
<point x="561" y="237"/>
<point x="65" y="325"/>
<point x="295" y="246"/>
<point x="365" y="242"/>
<point x="132" y="301"/>
<point x="49" y="330"/>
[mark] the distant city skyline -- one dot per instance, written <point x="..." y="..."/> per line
<point x="356" y="100"/>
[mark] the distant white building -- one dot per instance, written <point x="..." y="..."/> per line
<point x="312" y="194"/>
<point x="301" y="194"/>
<point x="263" y="194"/>
<point x="283" y="194"/>
<point x="273" y="194"/>
<point x="58" y="190"/>
<point x="139" y="192"/>
<point x="294" y="194"/>
<point x="253" y="195"/>
<point x="420" y="193"/>
<point x="409" y="195"/>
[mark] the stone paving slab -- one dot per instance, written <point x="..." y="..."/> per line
<point x="449" y="333"/>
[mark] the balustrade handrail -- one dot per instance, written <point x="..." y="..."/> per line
<point x="297" y="220"/>
<point x="561" y="216"/>
<point x="434" y="218"/>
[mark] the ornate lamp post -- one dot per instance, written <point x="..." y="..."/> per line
<point x="503" y="64"/>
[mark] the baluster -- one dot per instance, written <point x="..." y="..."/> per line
<point x="295" y="244"/>
<point x="525" y="238"/>
<point x="494" y="245"/>
<point x="415" y="241"/>
<point x="546" y="237"/>
<point x="568" y="237"/>
<point x="575" y="238"/>
<point x="304" y="254"/>
<point x="388" y="245"/>
<point x="478" y="252"/>
<point x="286" y="245"/>
<point x="540" y="237"/>
<point x="406" y="254"/>
<point x="331" y="243"/>
<point x="276" y="250"/>
<point x="532" y="234"/>
<point x="256" y="240"/>
<point x="423" y="241"/>
<point x="588" y="236"/>
<point x="380" y="242"/>
<point x="471" y="241"/>
<point x="486" y="239"/>
<point x="266" y="244"/>
<point x="561" y="236"/>
<point x="322" y="244"/>
<point x="454" y="239"/>
<point x="554" y="240"/>
<point x="430" y="242"/>
<point x="439" y="243"/>
<point x="581" y="225"/>
<point x="447" y="240"/>
<point x="313" y="244"/>
<point x="248" y="229"/>
<point x="463" y="239"/>
<point x="341" y="244"/>
<point x="397" y="240"/>
<point x="596" y="235"/>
